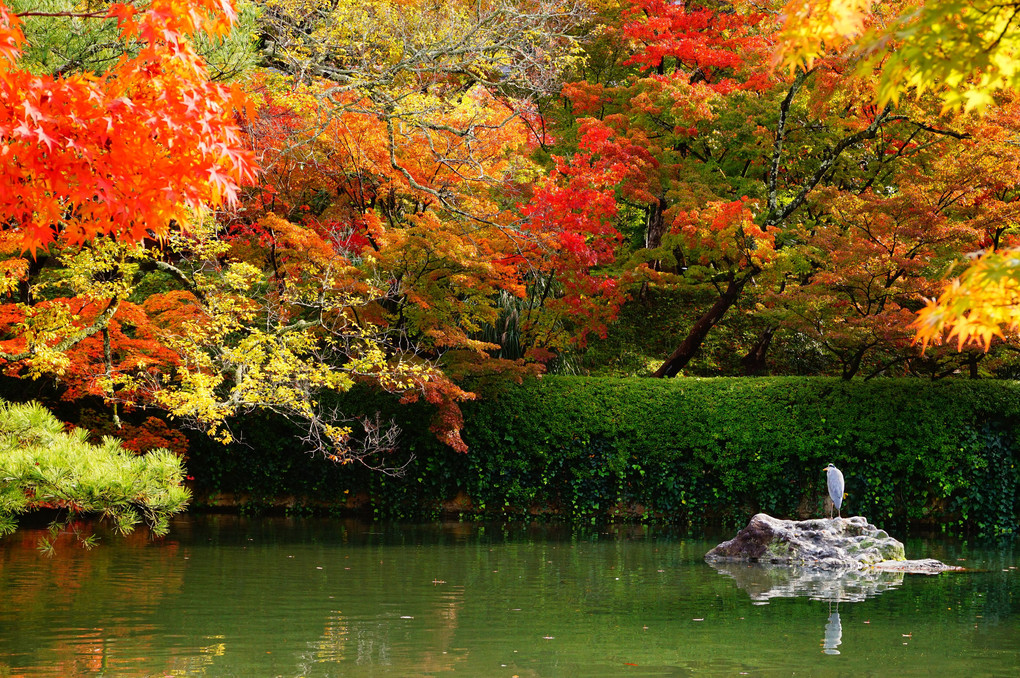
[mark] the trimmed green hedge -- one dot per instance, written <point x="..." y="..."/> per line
<point x="677" y="450"/>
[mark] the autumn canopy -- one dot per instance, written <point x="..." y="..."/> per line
<point x="210" y="210"/>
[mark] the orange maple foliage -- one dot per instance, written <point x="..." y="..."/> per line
<point x="725" y="232"/>
<point x="728" y="165"/>
<point x="127" y="152"/>
<point x="406" y="220"/>
<point x="135" y="345"/>
<point x="139" y="436"/>
<point x="419" y="200"/>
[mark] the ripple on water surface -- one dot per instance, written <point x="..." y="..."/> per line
<point x="286" y="597"/>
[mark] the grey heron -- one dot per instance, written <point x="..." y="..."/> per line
<point x="834" y="479"/>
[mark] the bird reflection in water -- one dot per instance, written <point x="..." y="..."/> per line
<point x="764" y="581"/>
<point x="833" y="632"/>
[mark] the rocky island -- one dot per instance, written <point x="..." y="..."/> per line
<point x="823" y="544"/>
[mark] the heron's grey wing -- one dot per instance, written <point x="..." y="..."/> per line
<point x="834" y="479"/>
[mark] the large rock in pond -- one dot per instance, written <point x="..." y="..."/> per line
<point x="828" y="544"/>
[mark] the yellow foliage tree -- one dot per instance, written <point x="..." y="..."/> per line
<point x="962" y="50"/>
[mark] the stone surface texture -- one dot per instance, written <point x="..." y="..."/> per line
<point x="825" y="544"/>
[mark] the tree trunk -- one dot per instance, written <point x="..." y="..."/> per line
<point x="656" y="225"/>
<point x="35" y="265"/>
<point x="852" y="367"/>
<point x="754" y="361"/>
<point x="972" y="362"/>
<point x="655" y="228"/>
<point x="683" y="354"/>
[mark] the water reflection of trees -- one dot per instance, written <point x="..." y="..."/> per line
<point x="276" y="597"/>
<point x="80" y="587"/>
<point x="232" y="604"/>
<point x="988" y="595"/>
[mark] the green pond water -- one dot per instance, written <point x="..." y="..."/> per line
<point x="228" y="596"/>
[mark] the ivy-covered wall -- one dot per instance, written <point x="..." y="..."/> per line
<point x="681" y="450"/>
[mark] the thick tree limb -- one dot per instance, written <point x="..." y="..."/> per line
<point x="686" y="350"/>
<point x="97" y="325"/>
<point x="777" y="147"/>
